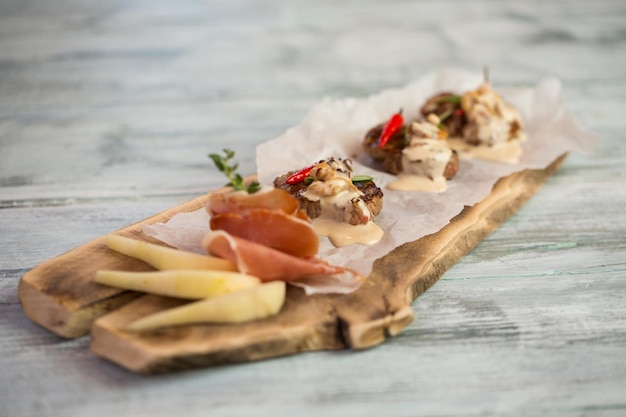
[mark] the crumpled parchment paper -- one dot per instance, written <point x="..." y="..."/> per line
<point x="336" y="127"/>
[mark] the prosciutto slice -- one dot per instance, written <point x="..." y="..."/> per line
<point x="273" y="228"/>
<point x="270" y="198"/>
<point x="266" y="263"/>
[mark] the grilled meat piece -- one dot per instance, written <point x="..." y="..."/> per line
<point x="393" y="164"/>
<point x="448" y="105"/>
<point x="372" y="197"/>
<point x="397" y="142"/>
<point x="490" y="120"/>
<point x="390" y="155"/>
<point x="453" y="166"/>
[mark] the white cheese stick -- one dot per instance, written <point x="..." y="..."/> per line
<point x="164" y="258"/>
<point x="190" y="284"/>
<point x="238" y="307"/>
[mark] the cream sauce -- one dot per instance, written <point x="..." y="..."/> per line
<point x="490" y="120"/>
<point x="407" y="182"/>
<point x="335" y="197"/>
<point x="509" y="152"/>
<point x="426" y="157"/>
<point x="423" y="165"/>
<point x="344" y="234"/>
<point x="340" y="200"/>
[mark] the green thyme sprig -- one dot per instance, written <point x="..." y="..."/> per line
<point x="361" y="178"/>
<point x="450" y="98"/>
<point x="223" y="164"/>
<point x="354" y="179"/>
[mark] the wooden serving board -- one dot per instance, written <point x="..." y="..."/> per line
<point x="61" y="296"/>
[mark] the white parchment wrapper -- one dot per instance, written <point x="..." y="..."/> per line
<point x="336" y="127"/>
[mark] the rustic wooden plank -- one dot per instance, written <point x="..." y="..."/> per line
<point x="362" y="319"/>
<point x="61" y="295"/>
<point x="531" y="322"/>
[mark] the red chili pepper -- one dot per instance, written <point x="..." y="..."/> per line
<point x="392" y="126"/>
<point x="459" y="112"/>
<point x="299" y="176"/>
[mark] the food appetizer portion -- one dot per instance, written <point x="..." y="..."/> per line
<point x="223" y="295"/>
<point x="342" y="205"/>
<point x="447" y="106"/>
<point x="259" y="240"/>
<point x="479" y="124"/>
<point x="417" y="152"/>
<point x="264" y="231"/>
<point x="425" y="153"/>
<point x="262" y="237"/>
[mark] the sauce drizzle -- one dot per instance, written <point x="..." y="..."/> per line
<point x="343" y="234"/>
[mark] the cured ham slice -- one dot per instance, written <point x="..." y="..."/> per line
<point x="273" y="228"/>
<point x="270" y="198"/>
<point x="265" y="234"/>
<point x="264" y="262"/>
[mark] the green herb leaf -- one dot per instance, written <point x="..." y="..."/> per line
<point x="253" y="187"/>
<point x="361" y="178"/>
<point x="443" y="117"/>
<point x="217" y="160"/>
<point x="235" y="179"/>
<point x="450" y="99"/>
<point x="407" y="137"/>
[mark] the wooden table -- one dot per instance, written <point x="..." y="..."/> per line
<point x="107" y="112"/>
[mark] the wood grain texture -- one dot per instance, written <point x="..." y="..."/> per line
<point x="61" y="294"/>
<point x="107" y="112"/>
<point x="378" y="309"/>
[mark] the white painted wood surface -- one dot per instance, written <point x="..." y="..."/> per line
<point x="107" y="112"/>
